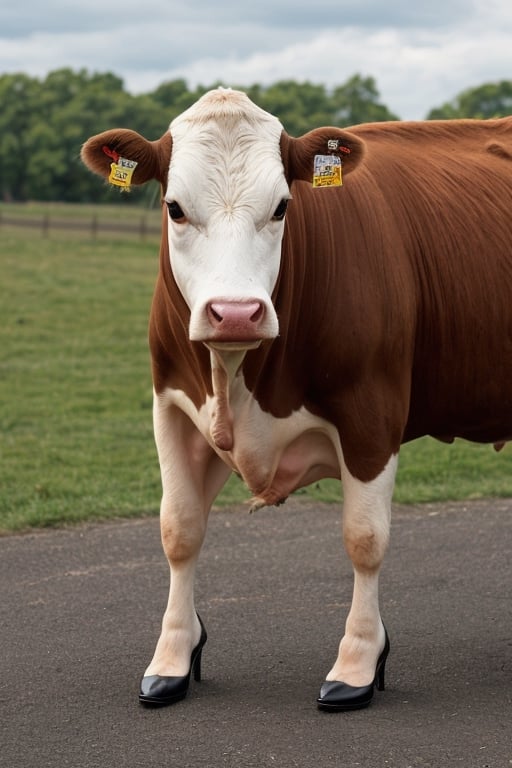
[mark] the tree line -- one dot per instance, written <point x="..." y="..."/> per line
<point x="44" y="122"/>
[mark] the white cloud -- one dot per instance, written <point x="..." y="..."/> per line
<point x="414" y="72"/>
<point x="420" y="55"/>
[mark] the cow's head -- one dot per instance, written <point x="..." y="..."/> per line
<point x="226" y="168"/>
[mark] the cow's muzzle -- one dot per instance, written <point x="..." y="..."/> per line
<point x="237" y="321"/>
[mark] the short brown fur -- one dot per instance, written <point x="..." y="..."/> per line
<point x="394" y="291"/>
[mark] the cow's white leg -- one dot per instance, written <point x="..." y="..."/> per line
<point x="192" y="475"/>
<point x="366" y="521"/>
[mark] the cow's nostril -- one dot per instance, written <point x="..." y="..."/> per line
<point x="257" y="314"/>
<point x="240" y="312"/>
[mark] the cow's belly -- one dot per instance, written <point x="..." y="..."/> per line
<point x="273" y="456"/>
<point x="284" y="455"/>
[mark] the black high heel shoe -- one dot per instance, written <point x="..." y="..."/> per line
<point x="159" y="690"/>
<point x="341" y="697"/>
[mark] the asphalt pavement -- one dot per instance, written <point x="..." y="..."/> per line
<point x="81" y="608"/>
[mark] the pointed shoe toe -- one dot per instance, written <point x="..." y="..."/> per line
<point x="159" y="690"/>
<point x="338" y="697"/>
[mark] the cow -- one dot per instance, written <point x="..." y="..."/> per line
<point x="306" y="326"/>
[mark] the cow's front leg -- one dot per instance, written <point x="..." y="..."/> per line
<point x="192" y="475"/>
<point x="363" y="649"/>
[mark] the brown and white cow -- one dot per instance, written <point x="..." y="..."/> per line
<point x="299" y="333"/>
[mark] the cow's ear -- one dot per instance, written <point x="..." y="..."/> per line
<point x="299" y="154"/>
<point x="152" y="157"/>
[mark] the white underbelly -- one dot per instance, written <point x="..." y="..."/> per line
<point x="274" y="456"/>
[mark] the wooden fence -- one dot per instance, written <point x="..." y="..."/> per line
<point x="139" y="226"/>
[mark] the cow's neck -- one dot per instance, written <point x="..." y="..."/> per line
<point x="225" y="366"/>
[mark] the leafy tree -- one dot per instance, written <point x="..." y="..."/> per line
<point x="173" y="97"/>
<point x="42" y="127"/>
<point x="487" y="100"/>
<point x="357" y="101"/>
<point x="18" y="96"/>
<point x="299" y="106"/>
<point x="43" y="124"/>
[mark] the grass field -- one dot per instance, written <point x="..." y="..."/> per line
<point x="75" y="393"/>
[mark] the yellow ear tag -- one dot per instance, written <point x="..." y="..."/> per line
<point x="327" y="171"/>
<point x="121" y="172"/>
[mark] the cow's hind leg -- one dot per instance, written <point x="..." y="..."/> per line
<point x="192" y="475"/>
<point x="364" y="647"/>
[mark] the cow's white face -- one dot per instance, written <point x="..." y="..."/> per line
<point x="227" y="197"/>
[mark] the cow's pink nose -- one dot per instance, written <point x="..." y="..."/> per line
<point x="235" y="320"/>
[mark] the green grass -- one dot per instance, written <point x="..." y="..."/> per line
<point x="431" y="471"/>
<point x="75" y="389"/>
<point x="76" y="437"/>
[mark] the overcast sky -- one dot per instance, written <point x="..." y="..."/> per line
<point x="421" y="53"/>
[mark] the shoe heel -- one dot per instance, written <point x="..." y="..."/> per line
<point x="381" y="665"/>
<point x="196" y="666"/>
<point x="380" y="682"/>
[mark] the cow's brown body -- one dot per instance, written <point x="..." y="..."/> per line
<point x="393" y="303"/>
<point x="392" y="296"/>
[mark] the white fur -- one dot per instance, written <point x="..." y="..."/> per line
<point x="227" y="175"/>
<point x="366" y="521"/>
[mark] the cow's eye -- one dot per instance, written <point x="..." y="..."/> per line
<point x="280" y="210"/>
<point x="175" y="211"/>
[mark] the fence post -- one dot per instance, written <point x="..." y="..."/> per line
<point x="142" y="228"/>
<point x="46" y="224"/>
<point x="94" y="227"/>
